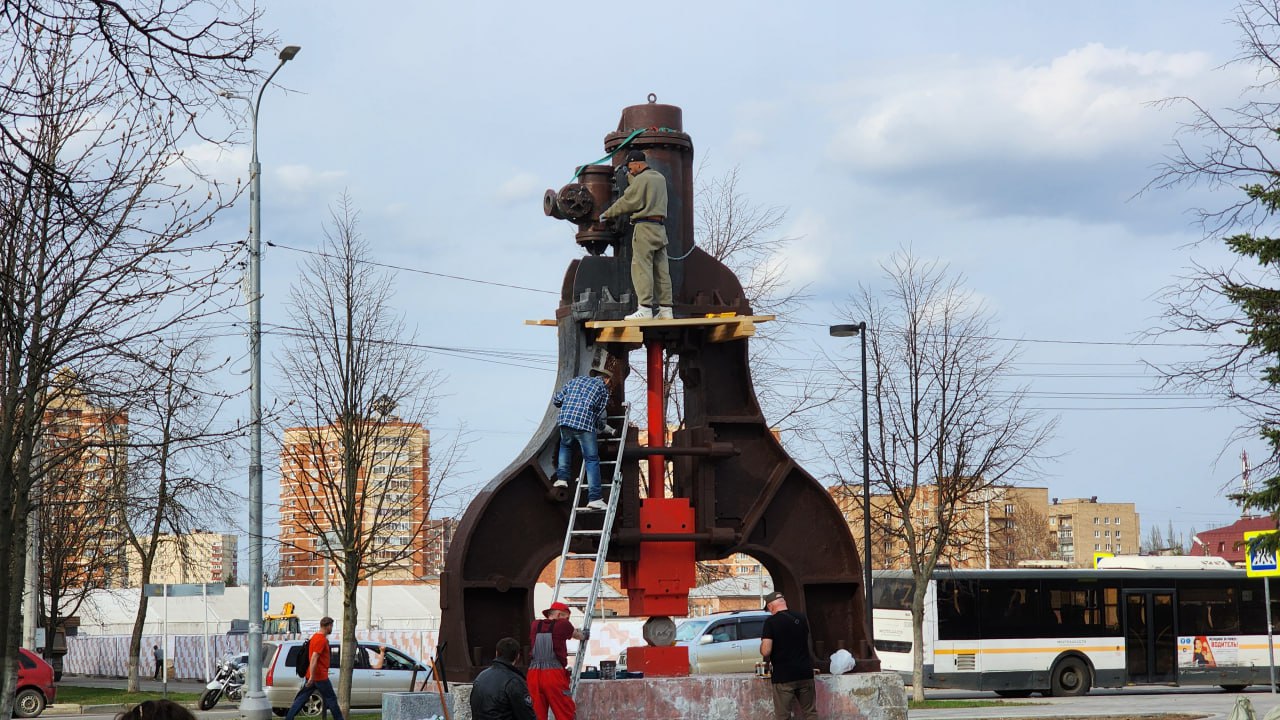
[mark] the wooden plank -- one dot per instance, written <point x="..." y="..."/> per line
<point x="725" y="333"/>
<point x="620" y="335"/>
<point x="543" y="323"/>
<point x="680" y="322"/>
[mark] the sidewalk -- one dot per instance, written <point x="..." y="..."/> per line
<point x="1211" y="704"/>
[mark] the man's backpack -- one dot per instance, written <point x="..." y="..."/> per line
<point x="302" y="661"/>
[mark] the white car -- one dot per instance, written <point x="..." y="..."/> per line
<point x="400" y="672"/>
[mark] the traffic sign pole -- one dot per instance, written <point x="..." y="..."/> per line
<point x="1262" y="563"/>
<point x="1271" y="647"/>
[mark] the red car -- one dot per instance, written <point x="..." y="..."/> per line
<point x="35" y="685"/>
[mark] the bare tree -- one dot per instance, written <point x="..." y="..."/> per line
<point x="173" y="483"/>
<point x="99" y="215"/>
<point x="356" y="475"/>
<point x="1025" y="535"/>
<point x="947" y="431"/>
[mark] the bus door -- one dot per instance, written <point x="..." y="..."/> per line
<point x="1150" y="643"/>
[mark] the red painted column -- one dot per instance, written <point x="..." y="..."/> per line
<point x="657" y="417"/>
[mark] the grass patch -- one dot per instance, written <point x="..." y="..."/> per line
<point x="366" y="715"/>
<point x="936" y="704"/>
<point x="114" y="696"/>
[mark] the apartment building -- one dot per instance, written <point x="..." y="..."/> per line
<point x="196" y="557"/>
<point x="1084" y="526"/>
<point x="996" y="527"/>
<point x="76" y="524"/>
<point x="393" y="487"/>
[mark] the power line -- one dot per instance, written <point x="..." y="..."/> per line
<point x="402" y="268"/>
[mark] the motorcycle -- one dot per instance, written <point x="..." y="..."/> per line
<point x="228" y="681"/>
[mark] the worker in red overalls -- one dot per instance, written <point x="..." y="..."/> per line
<point x="549" y="665"/>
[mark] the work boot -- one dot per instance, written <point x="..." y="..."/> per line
<point x="560" y="483"/>
<point x="596" y="506"/>
<point x="664" y="313"/>
<point x="642" y="313"/>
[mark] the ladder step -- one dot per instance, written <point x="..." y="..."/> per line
<point x="580" y="556"/>
<point x="586" y="532"/>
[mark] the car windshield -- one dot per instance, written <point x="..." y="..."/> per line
<point x="690" y="630"/>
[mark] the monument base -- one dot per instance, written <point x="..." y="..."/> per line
<point x="857" y="696"/>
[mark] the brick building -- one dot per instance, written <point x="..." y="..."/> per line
<point x="392" y="487"/>
<point x="998" y="527"/>
<point x="196" y="557"/>
<point x="1225" y="542"/>
<point x="1085" y="526"/>
<point x="78" y="524"/>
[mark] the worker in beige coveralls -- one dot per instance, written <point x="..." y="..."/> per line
<point x="645" y="203"/>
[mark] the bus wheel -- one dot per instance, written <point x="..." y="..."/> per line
<point x="1233" y="688"/>
<point x="1070" y="678"/>
<point x="1013" y="693"/>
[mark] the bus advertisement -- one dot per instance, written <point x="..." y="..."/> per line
<point x="1064" y="631"/>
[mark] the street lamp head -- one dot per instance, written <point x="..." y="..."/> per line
<point x="847" y="330"/>
<point x="288" y="52"/>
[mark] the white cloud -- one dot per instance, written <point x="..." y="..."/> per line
<point x="809" y="255"/>
<point x="304" y="179"/>
<point x="1084" y="104"/>
<point x="225" y="165"/>
<point x="520" y="187"/>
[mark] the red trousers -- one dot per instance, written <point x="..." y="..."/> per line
<point x="549" y="688"/>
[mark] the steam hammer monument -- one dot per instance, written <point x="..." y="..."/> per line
<point x="733" y="489"/>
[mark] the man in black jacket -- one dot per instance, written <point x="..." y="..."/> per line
<point x="784" y="642"/>
<point x="499" y="693"/>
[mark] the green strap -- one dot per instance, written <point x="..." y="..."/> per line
<point x="626" y="142"/>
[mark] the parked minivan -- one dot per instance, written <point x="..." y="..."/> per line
<point x="35" y="688"/>
<point x="400" y="672"/>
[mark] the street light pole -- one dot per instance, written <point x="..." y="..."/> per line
<point x="861" y="331"/>
<point x="254" y="706"/>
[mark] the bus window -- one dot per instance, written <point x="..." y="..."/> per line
<point x="1010" y="608"/>
<point x="1208" y="610"/>
<point x="1253" y="610"/>
<point x="1080" y="610"/>
<point x="957" y="610"/>
<point x="893" y="593"/>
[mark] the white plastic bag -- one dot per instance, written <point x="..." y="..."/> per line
<point x="1243" y="710"/>
<point x="841" y="662"/>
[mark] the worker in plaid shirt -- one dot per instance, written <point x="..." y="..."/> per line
<point x="582" y="402"/>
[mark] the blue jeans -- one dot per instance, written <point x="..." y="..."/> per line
<point x="586" y="439"/>
<point x="324" y="689"/>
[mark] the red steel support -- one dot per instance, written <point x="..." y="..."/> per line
<point x="657" y="418"/>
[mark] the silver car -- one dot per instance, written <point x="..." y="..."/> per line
<point x="399" y="672"/>
<point x="721" y="643"/>
<point x="724" y="642"/>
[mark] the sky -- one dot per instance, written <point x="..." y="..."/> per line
<point x="1009" y="141"/>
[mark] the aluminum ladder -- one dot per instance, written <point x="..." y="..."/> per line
<point x="611" y="483"/>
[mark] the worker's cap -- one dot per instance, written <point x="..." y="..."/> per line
<point x="554" y="607"/>
<point x="636" y="156"/>
<point x="602" y="370"/>
<point x="775" y="595"/>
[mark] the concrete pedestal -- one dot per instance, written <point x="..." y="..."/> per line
<point x="861" y="696"/>
<point x="417" y="705"/>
